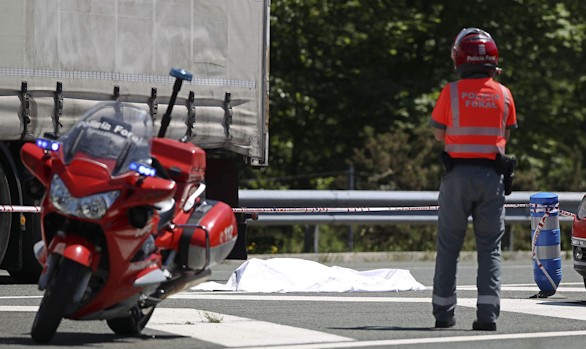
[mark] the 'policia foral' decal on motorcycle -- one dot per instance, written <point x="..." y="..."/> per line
<point x="113" y="129"/>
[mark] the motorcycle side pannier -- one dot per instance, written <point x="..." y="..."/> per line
<point x="209" y="237"/>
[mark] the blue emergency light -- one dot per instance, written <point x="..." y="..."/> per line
<point x="48" y="144"/>
<point x="142" y="169"/>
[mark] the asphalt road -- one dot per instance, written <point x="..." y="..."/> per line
<point x="327" y="320"/>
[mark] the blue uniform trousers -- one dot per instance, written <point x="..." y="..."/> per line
<point x="477" y="191"/>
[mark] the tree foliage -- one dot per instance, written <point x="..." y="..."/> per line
<point x="354" y="82"/>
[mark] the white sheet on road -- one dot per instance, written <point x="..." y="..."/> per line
<point x="299" y="275"/>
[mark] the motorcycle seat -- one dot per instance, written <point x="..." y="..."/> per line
<point x="166" y="210"/>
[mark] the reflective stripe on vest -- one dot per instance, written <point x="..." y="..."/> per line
<point x="456" y="130"/>
<point x="506" y="104"/>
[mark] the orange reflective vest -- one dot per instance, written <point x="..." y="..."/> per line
<point x="475" y="114"/>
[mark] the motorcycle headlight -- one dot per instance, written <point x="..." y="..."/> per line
<point x="91" y="207"/>
<point x="582" y="209"/>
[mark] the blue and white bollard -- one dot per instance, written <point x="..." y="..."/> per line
<point x="545" y="238"/>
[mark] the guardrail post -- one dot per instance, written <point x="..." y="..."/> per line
<point x="316" y="238"/>
<point x="311" y="238"/>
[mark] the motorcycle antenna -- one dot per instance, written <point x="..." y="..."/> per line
<point x="179" y="75"/>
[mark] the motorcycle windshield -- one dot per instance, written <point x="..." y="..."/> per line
<point x="112" y="133"/>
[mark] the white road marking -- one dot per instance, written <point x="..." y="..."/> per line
<point x="230" y="331"/>
<point x="19" y="308"/>
<point x="270" y="297"/>
<point x="234" y="331"/>
<point x="20" y="297"/>
<point x="432" y="340"/>
<point x="552" y="307"/>
<point x="556" y="308"/>
<point x="581" y="284"/>
<point x="535" y="289"/>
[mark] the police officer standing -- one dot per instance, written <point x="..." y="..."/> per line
<point x="473" y="118"/>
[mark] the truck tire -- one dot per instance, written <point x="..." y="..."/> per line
<point x="5" y="218"/>
<point x="57" y="297"/>
<point x="31" y="268"/>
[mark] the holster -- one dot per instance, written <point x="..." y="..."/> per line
<point x="505" y="165"/>
<point x="447" y="161"/>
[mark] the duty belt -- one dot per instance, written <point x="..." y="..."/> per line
<point x="474" y="162"/>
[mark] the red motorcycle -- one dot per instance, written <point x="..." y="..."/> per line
<point x="125" y="222"/>
<point x="579" y="239"/>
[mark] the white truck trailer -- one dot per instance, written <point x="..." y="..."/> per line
<point x="60" y="57"/>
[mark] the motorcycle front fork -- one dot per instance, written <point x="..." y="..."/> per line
<point x="48" y="273"/>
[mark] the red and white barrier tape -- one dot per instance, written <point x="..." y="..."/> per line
<point x="23" y="209"/>
<point x="567" y="214"/>
<point x="345" y="209"/>
<point x="329" y="209"/>
<point x="37" y="209"/>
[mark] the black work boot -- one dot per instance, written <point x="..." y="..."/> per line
<point x="445" y="324"/>
<point x="483" y="326"/>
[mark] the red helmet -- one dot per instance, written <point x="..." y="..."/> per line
<point x="475" y="49"/>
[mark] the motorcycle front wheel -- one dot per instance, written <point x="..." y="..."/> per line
<point x="58" y="295"/>
<point x="131" y="325"/>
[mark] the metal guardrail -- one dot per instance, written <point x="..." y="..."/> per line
<point x="569" y="201"/>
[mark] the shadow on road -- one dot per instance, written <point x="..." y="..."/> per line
<point x="7" y="280"/>
<point x="383" y="328"/>
<point x="396" y="328"/>
<point x="569" y="303"/>
<point x="71" y="339"/>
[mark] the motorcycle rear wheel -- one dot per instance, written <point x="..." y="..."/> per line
<point x="131" y="325"/>
<point x="58" y="295"/>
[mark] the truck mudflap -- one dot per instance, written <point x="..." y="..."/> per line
<point x="209" y="237"/>
<point x="222" y="185"/>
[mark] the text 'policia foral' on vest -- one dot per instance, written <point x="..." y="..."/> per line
<point x="480" y="100"/>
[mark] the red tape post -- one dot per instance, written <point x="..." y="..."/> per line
<point x="538" y="228"/>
